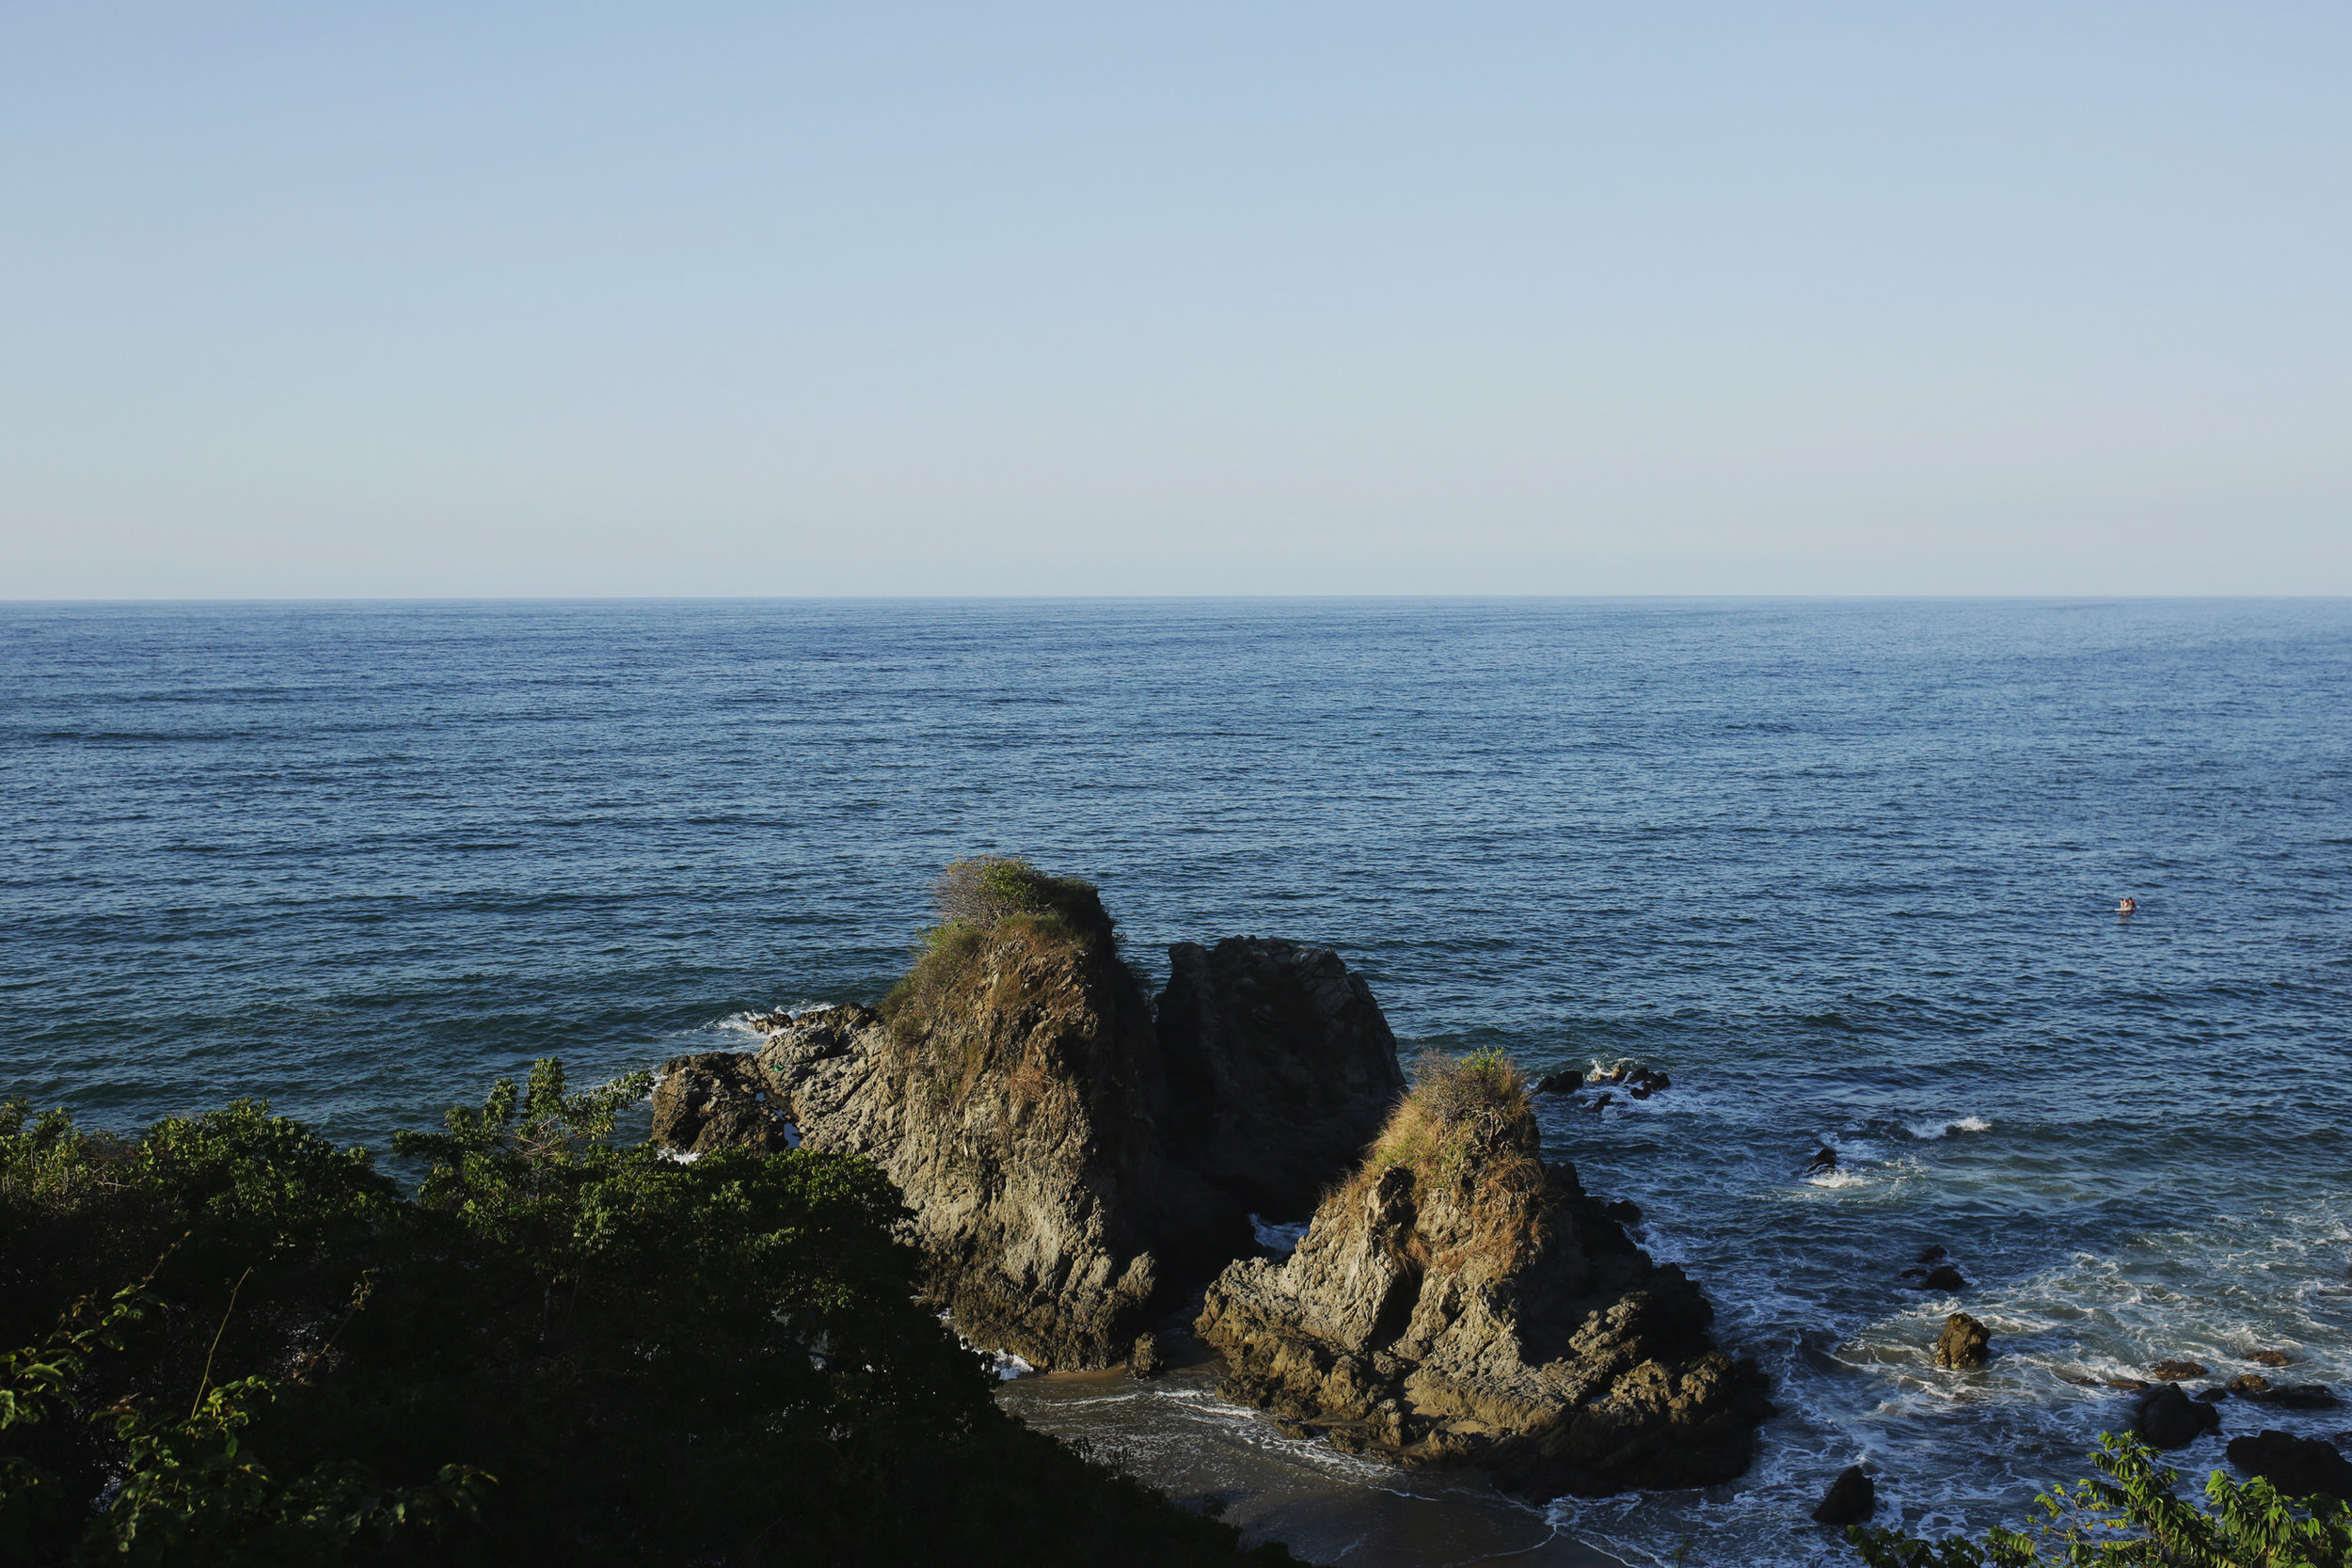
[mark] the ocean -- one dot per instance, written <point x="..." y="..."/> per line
<point x="1847" y="870"/>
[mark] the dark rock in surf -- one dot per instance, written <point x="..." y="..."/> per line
<point x="1457" y="1301"/>
<point x="1560" y="1082"/>
<point x="1642" y="1083"/>
<point x="1851" y="1499"/>
<point x="1146" y="1361"/>
<point x="1965" y="1344"/>
<point x="2268" y="1358"/>
<point x="1625" y="1211"/>
<point x="2298" y="1396"/>
<point x="1280" y="1068"/>
<point x="2211" y="1395"/>
<point x="2298" y="1467"/>
<point x="716" y="1100"/>
<point x="2130" y="1385"/>
<point x="2177" y="1372"/>
<point x="1947" y="1278"/>
<point x="1932" y="1255"/>
<point x="2168" y="1419"/>
<point x="2250" y="1383"/>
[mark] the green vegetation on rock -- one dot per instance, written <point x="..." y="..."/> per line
<point x="241" y="1344"/>
<point x="2131" y="1516"/>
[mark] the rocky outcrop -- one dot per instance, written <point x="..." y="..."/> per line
<point x="1851" y="1499"/>
<point x="1013" y="1110"/>
<point x="1964" y="1343"/>
<point x="2298" y="1466"/>
<point x="1280" y="1068"/>
<point x="1459" y="1300"/>
<point x="2168" y="1419"/>
<point x="2177" y="1372"/>
<point x="1070" y="1166"/>
<point x="717" y="1100"/>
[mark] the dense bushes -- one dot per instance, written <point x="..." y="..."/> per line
<point x="563" y="1349"/>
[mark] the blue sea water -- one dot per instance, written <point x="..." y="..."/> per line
<point x="1846" y="869"/>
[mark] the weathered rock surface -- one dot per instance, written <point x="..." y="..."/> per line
<point x="716" y="1100"/>
<point x="2177" y="1372"/>
<point x="1964" y="1343"/>
<point x="2269" y="1359"/>
<point x="1047" y="1139"/>
<point x="1017" y="1121"/>
<point x="1461" y="1301"/>
<point x="1851" y="1499"/>
<point x="2298" y="1466"/>
<point x="1280" y="1068"/>
<point x="2168" y="1418"/>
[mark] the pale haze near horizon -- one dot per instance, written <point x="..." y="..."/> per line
<point x="489" y="300"/>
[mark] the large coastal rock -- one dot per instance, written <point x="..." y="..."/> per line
<point x="1046" y="1137"/>
<point x="1280" y="1068"/>
<point x="1457" y="1299"/>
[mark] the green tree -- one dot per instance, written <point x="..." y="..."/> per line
<point x="2131" y="1516"/>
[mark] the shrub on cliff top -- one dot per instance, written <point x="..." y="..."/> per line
<point x="981" y="900"/>
<point x="1467" y="1130"/>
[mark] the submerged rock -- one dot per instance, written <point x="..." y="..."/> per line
<point x="1964" y="1343"/>
<point x="1947" y="1278"/>
<point x="716" y="1100"/>
<point x="2177" y="1372"/>
<point x="2297" y="1396"/>
<point x="2268" y="1358"/>
<point x="1457" y="1299"/>
<point x="2298" y="1466"/>
<point x="2250" y="1383"/>
<point x="2168" y="1418"/>
<point x="1851" y="1499"/>
<point x="1570" y="1082"/>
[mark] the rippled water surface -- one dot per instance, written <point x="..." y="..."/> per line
<point x="1846" y="870"/>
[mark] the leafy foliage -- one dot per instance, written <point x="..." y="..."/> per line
<point x="658" y="1362"/>
<point x="2130" y="1516"/>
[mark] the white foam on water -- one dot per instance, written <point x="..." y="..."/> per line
<point x="1928" y="1131"/>
<point x="1279" y="1238"/>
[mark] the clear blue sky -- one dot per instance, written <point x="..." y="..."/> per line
<point x="481" y="298"/>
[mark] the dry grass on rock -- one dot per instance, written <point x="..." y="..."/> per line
<point x="1467" y="1135"/>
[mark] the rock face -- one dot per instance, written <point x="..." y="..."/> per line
<point x="1069" y="1172"/>
<point x="1964" y="1345"/>
<point x="1458" y="1300"/>
<point x="1014" y="1114"/>
<point x="2298" y="1466"/>
<point x="1851" y="1499"/>
<point x="718" y="1100"/>
<point x="2168" y="1418"/>
<point x="1280" y="1068"/>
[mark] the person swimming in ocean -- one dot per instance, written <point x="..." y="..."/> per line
<point x="1823" y="1162"/>
<point x="2129" y="906"/>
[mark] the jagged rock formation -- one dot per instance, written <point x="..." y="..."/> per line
<point x="716" y="1100"/>
<point x="1280" y="1067"/>
<point x="1047" y="1135"/>
<point x="1964" y="1345"/>
<point x="1459" y="1300"/>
